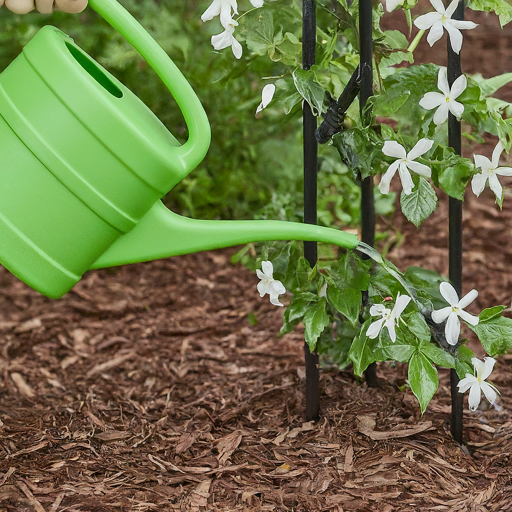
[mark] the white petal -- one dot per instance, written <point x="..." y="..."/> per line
<point x="260" y="274"/>
<point x="391" y="5"/>
<point x="256" y="3"/>
<point x="451" y="8"/>
<point x="455" y="36"/>
<point x="438" y="6"/>
<point x="274" y="299"/>
<point x="400" y="305"/>
<point x="495" y="185"/>
<point x="278" y="287"/>
<point x="268" y="268"/>
<point x="474" y="397"/>
<point x="425" y="21"/>
<point x="489" y="392"/>
<point x="422" y="170"/>
<point x="456" y="108"/>
<point x="236" y="47"/>
<point x="466" y="383"/>
<point x="468" y="317"/>
<point x="468" y="299"/>
<point x="483" y="162"/>
<point x="374" y="329"/>
<point x="222" y="40"/>
<point x="452" y="329"/>
<point x="440" y="315"/>
<point x="504" y="171"/>
<point x="442" y="81"/>
<point x="390" y="324"/>
<point x="378" y="310"/>
<point x="489" y="363"/>
<point x="478" y="183"/>
<point x="266" y="96"/>
<point x="421" y="147"/>
<point x="385" y="181"/>
<point x="436" y="32"/>
<point x="405" y="177"/>
<point x="441" y="114"/>
<point x="458" y="87"/>
<point x="463" y="25"/>
<point x="449" y="294"/>
<point x="212" y="11"/>
<point x="496" y="154"/>
<point x="479" y="367"/>
<point x="432" y="100"/>
<point x="392" y="148"/>
<point x="263" y="288"/>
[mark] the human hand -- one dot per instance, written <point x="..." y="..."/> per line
<point x="44" y="6"/>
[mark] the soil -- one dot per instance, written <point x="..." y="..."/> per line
<point x="148" y="388"/>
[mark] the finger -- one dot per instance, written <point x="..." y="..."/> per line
<point x="20" y="6"/>
<point x="44" y="6"/>
<point x="72" y="6"/>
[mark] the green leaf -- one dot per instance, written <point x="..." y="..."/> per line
<point x="389" y="102"/>
<point x="463" y="362"/>
<point x="490" y="313"/>
<point x="417" y="325"/>
<point x="495" y="335"/>
<point x="400" y="350"/>
<point x="454" y="175"/>
<point x="362" y="351"/>
<point x="423" y="379"/>
<point x="259" y="31"/>
<point x="296" y="311"/>
<point x="438" y="356"/>
<point x="502" y="8"/>
<point x="315" y="321"/>
<point x="490" y="85"/>
<point x="309" y="89"/>
<point x="420" y="203"/>
<point x="303" y="270"/>
<point x="347" y="301"/>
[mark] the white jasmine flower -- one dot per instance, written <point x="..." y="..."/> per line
<point x="268" y="284"/>
<point x="441" y="19"/>
<point x="226" y="39"/>
<point x="404" y="163"/>
<point x="454" y="311"/>
<point x="389" y="318"/>
<point x="266" y="97"/>
<point x="490" y="171"/>
<point x="477" y="384"/>
<point x="222" y="8"/>
<point x="391" y="5"/>
<point x="445" y="101"/>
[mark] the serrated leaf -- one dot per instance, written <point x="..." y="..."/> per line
<point x="259" y="29"/>
<point x="420" y="203"/>
<point x="423" y="379"/>
<point x="389" y="102"/>
<point x="315" y="321"/>
<point x="309" y="89"/>
<point x="454" y="176"/>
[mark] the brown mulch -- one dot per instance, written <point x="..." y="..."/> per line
<point x="148" y="388"/>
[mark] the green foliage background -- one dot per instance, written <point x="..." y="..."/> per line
<point x="249" y="159"/>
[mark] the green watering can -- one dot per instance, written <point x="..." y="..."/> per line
<point x="84" y="163"/>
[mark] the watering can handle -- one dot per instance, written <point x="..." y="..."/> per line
<point x="193" y="151"/>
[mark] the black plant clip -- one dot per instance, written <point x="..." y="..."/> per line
<point x="335" y="114"/>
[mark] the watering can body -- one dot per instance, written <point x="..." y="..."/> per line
<point x="84" y="164"/>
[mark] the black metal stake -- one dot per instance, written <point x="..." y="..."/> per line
<point x="455" y="229"/>
<point x="367" y="201"/>
<point x="310" y="198"/>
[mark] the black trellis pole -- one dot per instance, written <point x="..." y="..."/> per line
<point x="310" y="197"/>
<point x="366" y="74"/>
<point x="455" y="228"/>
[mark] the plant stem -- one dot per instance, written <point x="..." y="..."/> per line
<point x="415" y="41"/>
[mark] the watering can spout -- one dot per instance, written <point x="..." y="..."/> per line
<point x="162" y="233"/>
